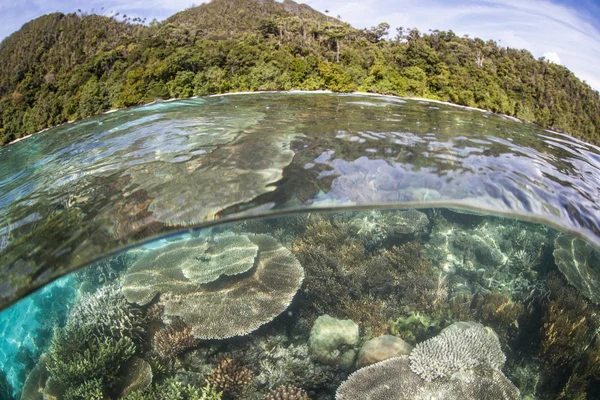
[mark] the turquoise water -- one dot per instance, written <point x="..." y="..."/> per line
<point x="445" y="227"/>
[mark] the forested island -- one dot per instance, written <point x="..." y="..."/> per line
<point x="61" y="67"/>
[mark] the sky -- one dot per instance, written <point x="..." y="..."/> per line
<point x="566" y="32"/>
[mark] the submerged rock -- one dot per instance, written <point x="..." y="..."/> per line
<point x="381" y="348"/>
<point x="328" y="335"/>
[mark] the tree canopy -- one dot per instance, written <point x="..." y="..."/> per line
<point x="64" y="67"/>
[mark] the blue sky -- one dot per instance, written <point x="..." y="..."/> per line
<point x="565" y="31"/>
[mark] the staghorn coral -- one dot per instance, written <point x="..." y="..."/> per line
<point x="498" y="311"/>
<point x="287" y="393"/>
<point x="77" y="355"/>
<point x="460" y="347"/>
<point x="172" y="389"/>
<point x="91" y="389"/>
<point x="579" y="262"/>
<point x="230" y="377"/>
<point x="368" y="313"/>
<point x="570" y="322"/>
<point x="106" y="313"/>
<point x="333" y="262"/>
<point x="175" y="339"/>
<point x="394" y="379"/>
<point x="230" y="306"/>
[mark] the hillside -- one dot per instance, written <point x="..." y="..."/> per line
<point x="62" y="67"/>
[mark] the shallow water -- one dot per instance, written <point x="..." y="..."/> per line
<point x="71" y="195"/>
<point x="304" y="301"/>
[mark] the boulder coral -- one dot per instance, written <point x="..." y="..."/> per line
<point x="329" y="336"/>
<point x="381" y="348"/>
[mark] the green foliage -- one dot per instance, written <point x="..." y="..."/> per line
<point x="63" y="67"/>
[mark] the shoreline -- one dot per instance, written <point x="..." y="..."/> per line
<point x="113" y="110"/>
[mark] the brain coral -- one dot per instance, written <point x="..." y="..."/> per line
<point x="229" y="306"/>
<point x="393" y="379"/>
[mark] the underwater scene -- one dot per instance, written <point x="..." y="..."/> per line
<point x="372" y="304"/>
<point x="285" y="246"/>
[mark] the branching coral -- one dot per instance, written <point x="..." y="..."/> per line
<point x="570" y="322"/>
<point x="333" y="265"/>
<point x="172" y="389"/>
<point x="76" y="355"/>
<point x="175" y="339"/>
<point x="230" y="377"/>
<point x="287" y="393"/>
<point x="106" y="313"/>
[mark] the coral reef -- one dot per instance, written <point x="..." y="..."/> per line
<point x="173" y="389"/>
<point x="225" y="254"/>
<point x="230" y="377"/>
<point x="332" y="260"/>
<point x="460" y="347"/>
<point x="76" y="355"/>
<point x="175" y="339"/>
<point x="579" y="262"/>
<point x="287" y="393"/>
<point x="330" y="338"/>
<point x="106" y="313"/>
<point x="570" y="322"/>
<point x="281" y="361"/>
<point x="137" y="375"/>
<point x="381" y="348"/>
<point x="230" y="307"/>
<point x="90" y="389"/>
<point x="106" y="271"/>
<point x="394" y="379"/>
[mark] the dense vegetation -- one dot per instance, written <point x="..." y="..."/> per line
<point x="65" y="67"/>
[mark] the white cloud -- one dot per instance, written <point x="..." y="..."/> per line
<point x="552" y="57"/>
<point x="540" y="26"/>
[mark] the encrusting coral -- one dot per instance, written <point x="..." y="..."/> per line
<point x="230" y="306"/>
<point x="175" y="339"/>
<point x="287" y="393"/>
<point x="230" y="377"/>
